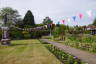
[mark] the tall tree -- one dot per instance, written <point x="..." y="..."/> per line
<point x="19" y="23"/>
<point x="29" y="19"/>
<point x="47" y="20"/>
<point x="12" y="14"/>
<point x="94" y="23"/>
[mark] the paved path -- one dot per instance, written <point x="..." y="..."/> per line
<point x="83" y="55"/>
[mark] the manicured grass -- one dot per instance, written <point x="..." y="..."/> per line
<point x="26" y="52"/>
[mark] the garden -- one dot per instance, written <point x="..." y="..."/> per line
<point x="26" y="46"/>
<point x="75" y="37"/>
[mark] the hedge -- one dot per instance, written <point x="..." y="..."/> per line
<point x="18" y="34"/>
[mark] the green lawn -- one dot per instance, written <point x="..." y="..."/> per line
<point x="26" y="52"/>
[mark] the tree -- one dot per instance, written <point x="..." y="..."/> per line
<point x="12" y="14"/>
<point x="47" y="20"/>
<point x="94" y="23"/>
<point x="60" y="32"/>
<point x="28" y="19"/>
<point x="19" y="23"/>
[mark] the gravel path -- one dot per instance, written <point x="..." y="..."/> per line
<point x="83" y="55"/>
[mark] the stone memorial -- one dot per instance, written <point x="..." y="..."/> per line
<point x="5" y="32"/>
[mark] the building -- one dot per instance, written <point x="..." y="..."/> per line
<point x="91" y="28"/>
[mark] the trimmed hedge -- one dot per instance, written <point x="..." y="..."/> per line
<point x="18" y="34"/>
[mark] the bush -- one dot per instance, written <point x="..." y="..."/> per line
<point x="55" y="32"/>
<point x="38" y="25"/>
<point x="18" y="34"/>
<point x="0" y="34"/>
<point x="60" y="32"/>
<point x="26" y="34"/>
<point x="89" y="38"/>
<point x="71" y="60"/>
<point x="36" y="34"/>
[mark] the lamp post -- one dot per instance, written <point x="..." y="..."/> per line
<point x="5" y="32"/>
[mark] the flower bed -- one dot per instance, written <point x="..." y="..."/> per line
<point x="91" y="47"/>
<point x="62" y="56"/>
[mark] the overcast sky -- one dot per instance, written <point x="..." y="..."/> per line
<point x="56" y="9"/>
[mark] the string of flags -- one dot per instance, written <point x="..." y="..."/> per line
<point x="89" y="13"/>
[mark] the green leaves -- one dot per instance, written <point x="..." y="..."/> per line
<point x="28" y="19"/>
<point x="12" y="15"/>
<point x="62" y="56"/>
<point x="60" y="32"/>
<point x="94" y="23"/>
<point x="47" y="20"/>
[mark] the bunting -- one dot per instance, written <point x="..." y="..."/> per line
<point x="63" y="21"/>
<point x="81" y="16"/>
<point x="89" y="13"/>
<point x="68" y="19"/>
<point x="74" y="18"/>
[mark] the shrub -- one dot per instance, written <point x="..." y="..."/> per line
<point x="16" y="34"/>
<point x="0" y="33"/>
<point x="71" y="60"/>
<point x="26" y="34"/>
<point x="55" y="32"/>
<point x="60" y="32"/>
<point x="20" y="34"/>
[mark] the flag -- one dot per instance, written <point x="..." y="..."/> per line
<point x="74" y="18"/>
<point x="81" y="16"/>
<point x="89" y="13"/>
<point x="63" y="21"/>
<point x="68" y="19"/>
